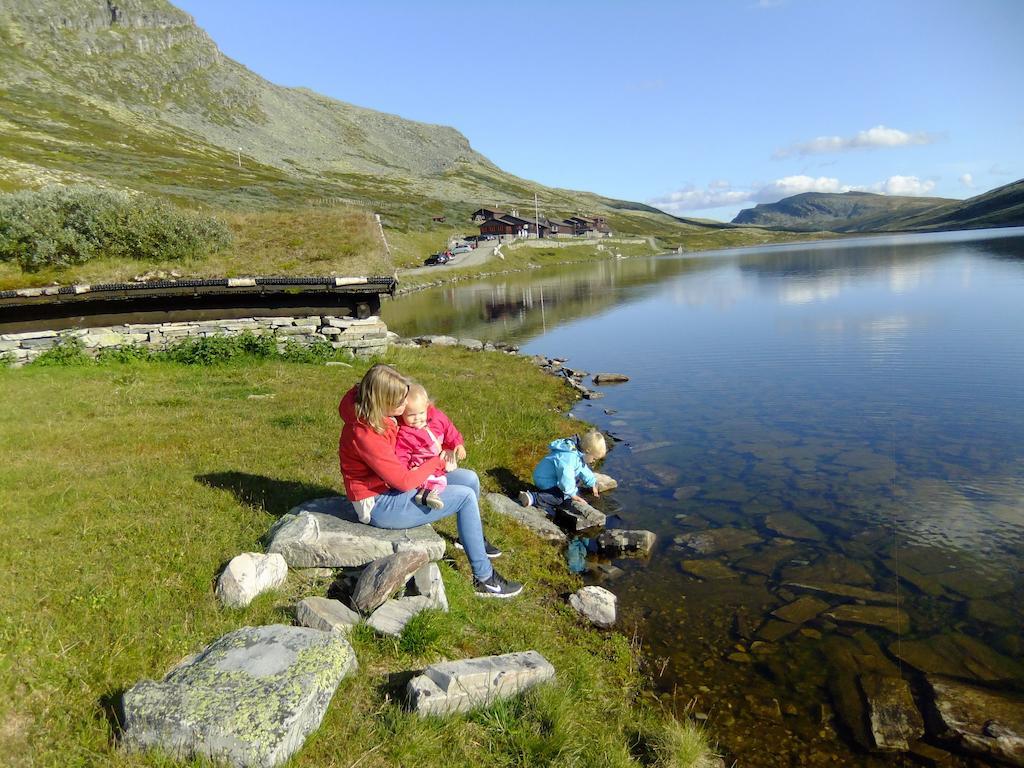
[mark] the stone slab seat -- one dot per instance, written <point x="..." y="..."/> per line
<point x="250" y="699"/>
<point x="325" y="533"/>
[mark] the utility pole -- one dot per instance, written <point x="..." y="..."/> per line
<point x="536" y="214"/>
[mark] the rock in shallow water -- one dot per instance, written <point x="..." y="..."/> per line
<point x="249" y="699"/>
<point x="596" y="604"/>
<point x="892" y="714"/>
<point x="986" y="722"/>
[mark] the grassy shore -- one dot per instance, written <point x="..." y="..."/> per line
<point x="127" y="487"/>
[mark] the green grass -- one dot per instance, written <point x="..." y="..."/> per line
<point x="127" y="487"/>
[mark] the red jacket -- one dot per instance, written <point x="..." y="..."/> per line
<point x="368" y="462"/>
<point x="414" y="446"/>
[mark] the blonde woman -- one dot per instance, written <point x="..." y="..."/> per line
<point x="383" y="490"/>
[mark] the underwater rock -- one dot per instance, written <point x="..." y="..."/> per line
<point x="767" y="560"/>
<point x="831" y="568"/>
<point x="619" y="540"/>
<point x="842" y="590"/>
<point x="957" y="655"/>
<point x="708" y="570"/>
<point x="793" y="526"/>
<point x="801" y="610"/>
<point x="986" y="722"/>
<point x="773" y="631"/>
<point x="890" y="618"/>
<point x="249" y="699"/>
<point x="991" y="613"/>
<point x="716" y="540"/>
<point x="685" y="492"/>
<point x="893" y="716"/>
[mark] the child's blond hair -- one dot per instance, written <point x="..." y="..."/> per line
<point x="593" y="445"/>
<point x="417" y="392"/>
<point x="381" y="390"/>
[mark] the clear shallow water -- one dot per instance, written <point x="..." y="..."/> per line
<point x="831" y="413"/>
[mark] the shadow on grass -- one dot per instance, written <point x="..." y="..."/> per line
<point x="112" y="706"/>
<point x="509" y="483"/>
<point x="394" y="688"/>
<point x="276" y="497"/>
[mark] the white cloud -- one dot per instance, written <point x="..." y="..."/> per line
<point x="910" y="186"/>
<point x="967" y="180"/>
<point x="873" y="138"/>
<point x="721" y="194"/>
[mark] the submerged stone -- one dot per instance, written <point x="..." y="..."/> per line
<point x="831" y="568"/>
<point x="893" y="619"/>
<point x="767" y="560"/>
<point x="801" y="610"/>
<point x="793" y="526"/>
<point x="991" y="613"/>
<point x="249" y="699"/>
<point x="986" y="722"/>
<point x="957" y="655"/>
<point x="773" y="631"/>
<point x="893" y="716"/>
<point x="618" y="540"/>
<point x="326" y="533"/>
<point x="842" y="590"/>
<point x="709" y="570"/>
<point x="459" y="686"/>
<point x="714" y="540"/>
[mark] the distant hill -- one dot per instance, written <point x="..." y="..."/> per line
<point x="134" y="94"/>
<point x="836" y="212"/>
<point x="867" y="212"/>
<point x="999" y="207"/>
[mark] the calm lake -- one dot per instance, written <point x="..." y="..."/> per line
<point x="831" y="431"/>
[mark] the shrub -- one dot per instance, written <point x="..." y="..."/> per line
<point x="60" y="226"/>
<point x="68" y="351"/>
<point x="222" y="349"/>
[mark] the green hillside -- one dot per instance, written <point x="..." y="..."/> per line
<point x="844" y="212"/>
<point x="999" y="207"/>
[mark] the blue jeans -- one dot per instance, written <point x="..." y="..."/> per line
<point x="461" y="498"/>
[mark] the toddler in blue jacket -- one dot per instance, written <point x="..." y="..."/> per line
<point x="558" y="473"/>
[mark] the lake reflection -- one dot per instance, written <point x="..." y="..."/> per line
<point x="801" y="422"/>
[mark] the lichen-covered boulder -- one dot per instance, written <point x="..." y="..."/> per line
<point x="326" y="533"/>
<point x="249" y="699"/>
<point x="248" y="575"/>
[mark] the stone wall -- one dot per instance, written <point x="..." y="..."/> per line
<point x="362" y="337"/>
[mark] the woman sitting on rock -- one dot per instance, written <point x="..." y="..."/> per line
<point x="383" y="490"/>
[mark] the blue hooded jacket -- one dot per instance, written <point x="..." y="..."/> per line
<point x="562" y="466"/>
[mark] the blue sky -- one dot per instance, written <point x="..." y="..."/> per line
<point x="700" y="108"/>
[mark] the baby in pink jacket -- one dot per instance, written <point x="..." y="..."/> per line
<point x="425" y="432"/>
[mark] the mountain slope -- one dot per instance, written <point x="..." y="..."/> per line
<point x="999" y="207"/>
<point x="134" y="94"/>
<point x="844" y="212"/>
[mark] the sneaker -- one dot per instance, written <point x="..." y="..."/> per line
<point x="433" y="500"/>
<point x="491" y="550"/>
<point x="526" y="498"/>
<point x="496" y="586"/>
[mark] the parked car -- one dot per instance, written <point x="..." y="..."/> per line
<point x="438" y="258"/>
<point x="461" y="249"/>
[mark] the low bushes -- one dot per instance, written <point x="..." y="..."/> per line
<point x="60" y="226"/>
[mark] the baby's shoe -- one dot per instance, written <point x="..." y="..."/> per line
<point x="433" y="500"/>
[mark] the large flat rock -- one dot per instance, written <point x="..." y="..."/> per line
<point x="887" y="617"/>
<point x="459" y="686"/>
<point x="325" y="614"/>
<point x="715" y="540"/>
<point x="249" y="699"/>
<point x="531" y="517"/>
<point x="986" y="722"/>
<point x="958" y="655"/>
<point x="893" y="717"/>
<point x="326" y="533"/>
